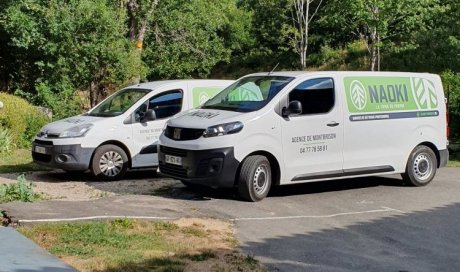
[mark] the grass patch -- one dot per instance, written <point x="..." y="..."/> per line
<point x="131" y="245"/>
<point x="18" y="161"/>
<point x="21" y="190"/>
<point x="454" y="160"/>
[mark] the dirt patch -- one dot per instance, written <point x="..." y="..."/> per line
<point x="58" y="185"/>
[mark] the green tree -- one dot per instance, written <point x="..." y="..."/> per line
<point x="65" y="46"/>
<point x="382" y="23"/>
<point x="140" y="14"/>
<point x="271" y="31"/>
<point x="188" y="38"/>
<point x="304" y="11"/>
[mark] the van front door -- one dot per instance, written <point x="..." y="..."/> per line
<point x="313" y="139"/>
<point x="146" y="133"/>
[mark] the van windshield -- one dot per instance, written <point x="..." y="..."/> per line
<point x="248" y="94"/>
<point x="118" y="103"/>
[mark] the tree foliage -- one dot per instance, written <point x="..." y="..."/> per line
<point x="188" y="37"/>
<point x="62" y="46"/>
<point x="60" y="53"/>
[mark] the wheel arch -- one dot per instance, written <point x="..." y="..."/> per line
<point x="120" y="145"/>
<point x="274" y="165"/>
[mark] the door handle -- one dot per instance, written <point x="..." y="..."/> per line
<point x="333" y="124"/>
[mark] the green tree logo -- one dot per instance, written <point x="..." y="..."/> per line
<point x="424" y="93"/>
<point x="203" y="97"/>
<point x="358" y="95"/>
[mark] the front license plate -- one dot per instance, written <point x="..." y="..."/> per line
<point x="40" y="149"/>
<point x="173" y="159"/>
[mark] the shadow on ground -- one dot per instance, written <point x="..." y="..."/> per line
<point x="419" y="241"/>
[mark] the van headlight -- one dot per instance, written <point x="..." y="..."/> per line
<point x="77" y="131"/>
<point x="223" y="129"/>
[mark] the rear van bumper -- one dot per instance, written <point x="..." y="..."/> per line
<point x="443" y="157"/>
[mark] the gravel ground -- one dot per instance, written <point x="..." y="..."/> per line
<point x="58" y="185"/>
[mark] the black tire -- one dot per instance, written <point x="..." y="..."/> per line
<point x="109" y="162"/>
<point x="421" y="166"/>
<point x="255" y="178"/>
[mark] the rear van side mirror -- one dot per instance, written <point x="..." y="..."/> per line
<point x="149" y="116"/>
<point x="294" y="108"/>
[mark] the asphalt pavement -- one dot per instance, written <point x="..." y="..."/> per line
<point x="365" y="224"/>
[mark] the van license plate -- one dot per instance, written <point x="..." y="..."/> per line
<point x="173" y="159"/>
<point x="40" y="149"/>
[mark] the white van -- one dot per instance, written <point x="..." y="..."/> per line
<point x="293" y="127"/>
<point x="122" y="131"/>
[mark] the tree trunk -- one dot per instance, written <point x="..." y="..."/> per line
<point x="301" y="20"/>
<point x="138" y="17"/>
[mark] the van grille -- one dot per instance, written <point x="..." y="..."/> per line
<point x="183" y="134"/>
<point x="173" y="151"/>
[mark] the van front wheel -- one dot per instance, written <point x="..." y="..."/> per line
<point x="421" y="166"/>
<point x="255" y="178"/>
<point x="110" y="162"/>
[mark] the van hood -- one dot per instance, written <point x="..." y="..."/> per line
<point x="55" y="128"/>
<point x="204" y="118"/>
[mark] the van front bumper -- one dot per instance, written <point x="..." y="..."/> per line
<point x="215" y="168"/>
<point x="67" y="157"/>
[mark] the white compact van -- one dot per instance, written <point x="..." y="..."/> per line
<point x="293" y="127"/>
<point x="122" y="131"/>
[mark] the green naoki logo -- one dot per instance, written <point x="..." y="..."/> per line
<point x="358" y="95"/>
<point x="424" y="93"/>
<point x="385" y="94"/>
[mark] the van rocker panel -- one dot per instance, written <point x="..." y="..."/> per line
<point x="210" y="167"/>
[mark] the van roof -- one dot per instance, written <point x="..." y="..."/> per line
<point x="161" y="83"/>
<point x="351" y="73"/>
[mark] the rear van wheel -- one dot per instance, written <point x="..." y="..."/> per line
<point x="421" y="166"/>
<point x="109" y="162"/>
<point x="255" y="178"/>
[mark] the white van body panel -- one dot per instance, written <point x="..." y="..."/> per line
<point x="377" y="119"/>
<point x="134" y="137"/>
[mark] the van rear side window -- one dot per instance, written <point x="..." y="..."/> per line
<point x="316" y="95"/>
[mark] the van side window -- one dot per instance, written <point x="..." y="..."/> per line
<point x="316" y="95"/>
<point x="165" y="104"/>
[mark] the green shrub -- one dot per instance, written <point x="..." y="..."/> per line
<point x="21" y="118"/>
<point x="5" y="141"/>
<point x="451" y="82"/>
<point x="21" y="190"/>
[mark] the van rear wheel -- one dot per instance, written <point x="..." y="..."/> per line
<point x="255" y="178"/>
<point x="109" y="162"/>
<point x="421" y="166"/>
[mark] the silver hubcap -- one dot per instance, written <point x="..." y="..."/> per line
<point x="111" y="163"/>
<point x="260" y="179"/>
<point x="422" y="167"/>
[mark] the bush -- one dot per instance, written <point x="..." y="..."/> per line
<point x="21" y="190"/>
<point x="5" y="141"/>
<point x="451" y="82"/>
<point x="21" y="118"/>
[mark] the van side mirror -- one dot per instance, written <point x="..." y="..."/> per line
<point x="294" y="108"/>
<point x="149" y="116"/>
